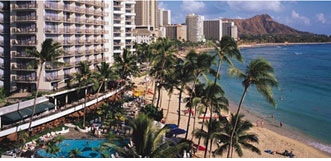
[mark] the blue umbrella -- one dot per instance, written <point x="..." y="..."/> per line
<point x="171" y="126"/>
<point x="177" y="131"/>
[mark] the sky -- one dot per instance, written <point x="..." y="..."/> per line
<point x="308" y="16"/>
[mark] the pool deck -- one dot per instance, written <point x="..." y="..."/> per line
<point x="75" y="134"/>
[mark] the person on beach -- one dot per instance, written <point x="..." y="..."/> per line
<point x="257" y="123"/>
<point x="262" y="123"/>
<point x="280" y="124"/>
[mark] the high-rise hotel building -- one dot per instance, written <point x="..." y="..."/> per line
<point x="89" y="31"/>
<point x="194" y="25"/>
<point x="123" y="24"/>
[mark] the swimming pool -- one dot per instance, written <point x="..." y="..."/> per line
<point x="87" y="148"/>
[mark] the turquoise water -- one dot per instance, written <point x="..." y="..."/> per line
<point x="304" y="97"/>
<point x="85" y="146"/>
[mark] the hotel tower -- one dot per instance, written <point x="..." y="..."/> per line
<point x="88" y="31"/>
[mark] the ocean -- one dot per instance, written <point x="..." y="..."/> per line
<point x="304" y="96"/>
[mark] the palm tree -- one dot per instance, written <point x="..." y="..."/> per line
<point x="240" y="139"/>
<point x="49" y="53"/>
<point x="214" y="126"/>
<point x="104" y="73"/>
<point x="147" y="141"/>
<point x="215" y="99"/>
<point x="261" y="74"/>
<point x="163" y="58"/>
<point x="84" y="80"/>
<point x="74" y="153"/>
<point x="125" y="64"/>
<point x="184" y="75"/>
<point x="22" y="137"/>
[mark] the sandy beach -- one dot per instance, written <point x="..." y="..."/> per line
<point x="270" y="137"/>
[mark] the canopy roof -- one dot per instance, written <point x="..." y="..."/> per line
<point x="25" y="113"/>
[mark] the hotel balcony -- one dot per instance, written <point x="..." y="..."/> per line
<point x="80" y="42"/>
<point x="96" y="61"/>
<point x="80" y="52"/>
<point x="27" y="6"/>
<point x="69" y="53"/>
<point x="69" y="31"/>
<point x="89" y="42"/>
<point x="105" y="50"/>
<point x="54" y="30"/>
<point x="97" y="41"/>
<point x="80" y="31"/>
<point x="24" y="67"/>
<point x="49" y="67"/>
<point x="105" y="40"/>
<point x="54" y="18"/>
<point x="53" y="6"/>
<point x="69" y="64"/>
<point x="80" y="20"/>
<point x="69" y="8"/>
<point x="25" y="79"/>
<point x="27" y="30"/>
<point x="89" y="31"/>
<point x="24" y="42"/>
<point x="2" y="77"/>
<point x="22" y="55"/>
<point x="24" y="18"/>
<point x="68" y="75"/>
<point x="54" y="78"/>
<point x="90" y="21"/>
<point x="2" y="66"/>
<point x="67" y="42"/>
<point x="80" y="10"/>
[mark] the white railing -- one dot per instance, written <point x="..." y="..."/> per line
<point x="56" y="115"/>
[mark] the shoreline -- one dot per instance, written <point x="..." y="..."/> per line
<point x="285" y="130"/>
<point x="254" y="45"/>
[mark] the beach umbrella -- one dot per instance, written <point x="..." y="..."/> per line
<point x="177" y="131"/>
<point x="171" y="126"/>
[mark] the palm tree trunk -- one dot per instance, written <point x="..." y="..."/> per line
<point x="209" y="127"/>
<point x="179" y="104"/>
<point x="98" y="93"/>
<point x="154" y="94"/>
<point x="195" y="116"/>
<point x="237" y="117"/>
<point x="190" y="112"/>
<point x="158" y="98"/>
<point x="168" y="105"/>
<point x="35" y="98"/>
<point x="85" y="100"/>
<point x="211" y="147"/>
<point x="203" y="121"/>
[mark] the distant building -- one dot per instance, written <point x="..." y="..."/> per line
<point x="230" y="29"/>
<point x="143" y="36"/>
<point x="212" y="29"/>
<point x="194" y="28"/>
<point x="178" y="32"/>
<point x="146" y="13"/>
<point x="163" y="17"/>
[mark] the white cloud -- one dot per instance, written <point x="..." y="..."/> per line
<point x="297" y="16"/>
<point x="255" y="6"/>
<point x="162" y="5"/>
<point x="321" y="18"/>
<point x="192" y="6"/>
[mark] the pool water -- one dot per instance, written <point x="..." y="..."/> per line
<point x="86" y="147"/>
